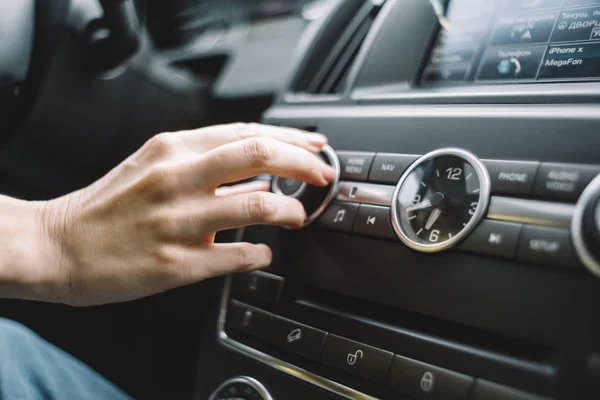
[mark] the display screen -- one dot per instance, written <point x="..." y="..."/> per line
<point x="516" y="41"/>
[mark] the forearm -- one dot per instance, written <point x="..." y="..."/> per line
<point x="26" y="253"/>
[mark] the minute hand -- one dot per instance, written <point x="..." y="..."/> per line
<point x="419" y="206"/>
<point x="435" y="214"/>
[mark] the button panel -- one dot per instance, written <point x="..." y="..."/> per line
<point x="541" y="244"/>
<point x="493" y="238"/>
<point x="563" y="181"/>
<point x="401" y="374"/>
<point x="424" y="381"/>
<point x="367" y="362"/>
<point x="511" y="177"/>
<point x="374" y="221"/>
<point x="388" y="168"/>
<point x="355" y="165"/>
<point x="297" y="338"/>
<point x="258" y="285"/>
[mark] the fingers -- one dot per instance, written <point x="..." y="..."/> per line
<point x="247" y="158"/>
<point x="255" y="186"/>
<point x="225" y="258"/>
<point x="205" y="139"/>
<point x="257" y="208"/>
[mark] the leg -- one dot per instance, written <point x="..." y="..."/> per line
<point x="31" y="368"/>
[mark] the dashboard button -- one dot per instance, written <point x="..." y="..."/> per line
<point x="511" y="177"/>
<point x="387" y="168"/>
<point x="247" y="319"/>
<point x="258" y="285"/>
<point x="576" y="25"/>
<point x="493" y="238"/>
<point x="355" y="165"/>
<point x="485" y="390"/>
<point x="374" y="221"/>
<point x="297" y="338"/>
<point x="530" y="28"/>
<point x="511" y="63"/>
<point x="424" y="381"/>
<point x="339" y="216"/>
<point x="563" y="181"/>
<point x="540" y="244"/>
<point x="358" y="359"/>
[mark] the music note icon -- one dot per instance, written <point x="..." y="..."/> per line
<point x="339" y="217"/>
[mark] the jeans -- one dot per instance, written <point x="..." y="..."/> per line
<point x="31" y="368"/>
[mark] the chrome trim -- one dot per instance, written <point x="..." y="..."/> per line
<point x="508" y="209"/>
<point x="277" y="190"/>
<point x="256" y="385"/>
<point x="512" y="93"/>
<point x="367" y="193"/>
<point x="334" y="161"/>
<point x="480" y="211"/>
<point x="534" y="111"/>
<point x="586" y="256"/>
<point x="280" y="365"/>
<point x="531" y="212"/>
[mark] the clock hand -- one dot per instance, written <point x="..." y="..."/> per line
<point x="435" y="214"/>
<point x="419" y="206"/>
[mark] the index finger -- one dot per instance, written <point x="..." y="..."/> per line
<point x="209" y="138"/>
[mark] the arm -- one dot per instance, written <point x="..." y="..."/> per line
<point x="149" y="224"/>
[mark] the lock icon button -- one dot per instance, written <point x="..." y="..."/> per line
<point x="427" y="382"/>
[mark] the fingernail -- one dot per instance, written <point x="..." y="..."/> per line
<point x="317" y="140"/>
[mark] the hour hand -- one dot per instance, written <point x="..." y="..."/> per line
<point x="419" y="206"/>
<point x="435" y="214"/>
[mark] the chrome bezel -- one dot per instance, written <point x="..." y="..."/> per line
<point x="333" y="188"/>
<point x="253" y="383"/>
<point x="480" y="211"/>
<point x="586" y="256"/>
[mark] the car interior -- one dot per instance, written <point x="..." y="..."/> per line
<point x="455" y="257"/>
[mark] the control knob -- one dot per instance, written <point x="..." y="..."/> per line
<point x="585" y="227"/>
<point x="314" y="199"/>
<point x="241" y="388"/>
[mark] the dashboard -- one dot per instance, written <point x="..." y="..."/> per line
<point x="456" y="255"/>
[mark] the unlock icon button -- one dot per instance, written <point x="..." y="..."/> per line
<point x="353" y="357"/>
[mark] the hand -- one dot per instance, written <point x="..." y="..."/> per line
<point x="149" y="224"/>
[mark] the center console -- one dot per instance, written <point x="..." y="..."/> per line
<point x="457" y="254"/>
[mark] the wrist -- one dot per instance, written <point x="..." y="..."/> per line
<point x="29" y="256"/>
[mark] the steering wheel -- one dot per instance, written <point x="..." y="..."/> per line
<point x="17" y="25"/>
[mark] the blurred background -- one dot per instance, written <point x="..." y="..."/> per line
<point x="83" y="84"/>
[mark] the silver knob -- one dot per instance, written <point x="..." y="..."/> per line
<point x="314" y="199"/>
<point x="585" y="227"/>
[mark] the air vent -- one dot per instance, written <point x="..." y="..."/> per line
<point x="326" y="72"/>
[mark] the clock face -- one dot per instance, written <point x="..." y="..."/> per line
<point x="440" y="199"/>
